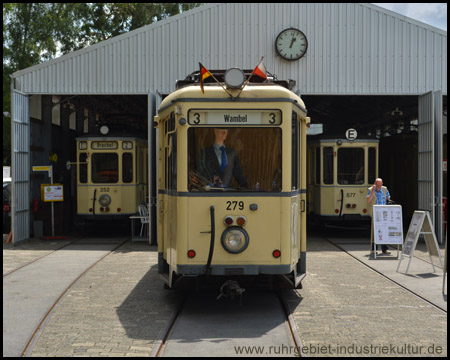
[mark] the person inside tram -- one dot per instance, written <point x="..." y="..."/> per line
<point x="378" y="195"/>
<point x="220" y="164"/>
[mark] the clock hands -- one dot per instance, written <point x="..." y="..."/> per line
<point x="292" y="42"/>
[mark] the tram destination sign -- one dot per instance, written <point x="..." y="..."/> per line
<point x="234" y="117"/>
<point x="100" y="145"/>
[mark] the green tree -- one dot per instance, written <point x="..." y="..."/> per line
<point x="38" y="32"/>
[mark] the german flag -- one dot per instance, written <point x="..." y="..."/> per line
<point x="204" y="73"/>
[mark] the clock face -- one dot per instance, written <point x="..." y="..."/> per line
<point x="291" y="44"/>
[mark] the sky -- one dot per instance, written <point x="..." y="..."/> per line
<point x="434" y="14"/>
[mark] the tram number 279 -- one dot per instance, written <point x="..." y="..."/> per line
<point x="232" y="205"/>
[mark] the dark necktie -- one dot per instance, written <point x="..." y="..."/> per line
<point x="224" y="159"/>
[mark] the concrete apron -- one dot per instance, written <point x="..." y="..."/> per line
<point x="30" y="292"/>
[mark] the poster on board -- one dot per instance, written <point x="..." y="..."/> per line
<point x="420" y="225"/>
<point x="52" y="192"/>
<point x="413" y="233"/>
<point x="388" y="224"/>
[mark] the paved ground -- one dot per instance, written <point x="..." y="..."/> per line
<point x="119" y="308"/>
<point x="346" y="308"/>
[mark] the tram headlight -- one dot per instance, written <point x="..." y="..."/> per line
<point x="104" y="200"/>
<point x="235" y="240"/>
<point x="234" y="78"/>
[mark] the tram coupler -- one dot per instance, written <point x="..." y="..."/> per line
<point x="231" y="289"/>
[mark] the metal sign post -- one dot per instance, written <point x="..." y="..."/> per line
<point x="49" y="169"/>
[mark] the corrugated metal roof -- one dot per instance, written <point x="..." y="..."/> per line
<point x="352" y="49"/>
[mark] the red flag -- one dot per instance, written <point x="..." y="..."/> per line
<point x="260" y="70"/>
<point x="204" y="73"/>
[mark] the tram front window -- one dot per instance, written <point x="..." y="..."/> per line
<point x="249" y="161"/>
<point x="350" y="166"/>
<point x="105" y="168"/>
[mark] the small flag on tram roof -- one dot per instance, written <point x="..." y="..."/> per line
<point x="260" y="70"/>
<point x="204" y="73"/>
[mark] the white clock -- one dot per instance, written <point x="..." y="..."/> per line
<point x="291" y="44"/>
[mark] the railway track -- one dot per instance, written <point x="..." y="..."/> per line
<point x="261" y="326"/>
<point x="26" y="315"/>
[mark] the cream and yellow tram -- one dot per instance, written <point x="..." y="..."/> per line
<point x="340" y="171"/>
<point x="112" y="176"/>
<point x="248" y="217"/>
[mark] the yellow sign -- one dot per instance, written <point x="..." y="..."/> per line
<point x="41" y="168"/>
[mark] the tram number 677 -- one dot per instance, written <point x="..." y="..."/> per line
<point x="232" y="205"/>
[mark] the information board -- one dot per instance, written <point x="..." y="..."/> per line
<point x="388" y="224"/>
<point x="52" y="192"/>
<point x="414" y="230"/>
<point x="420" y="225"/>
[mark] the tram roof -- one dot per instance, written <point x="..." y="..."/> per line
<point x="214" y="92"/>
<point x="334" y="138"/>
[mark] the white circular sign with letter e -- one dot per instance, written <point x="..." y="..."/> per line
<point x="351" y="134"/>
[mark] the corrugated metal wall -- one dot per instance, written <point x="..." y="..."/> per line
<point x="353" y="49"/>
<point x="20" y="167"/>
<point x="426" y="154"/>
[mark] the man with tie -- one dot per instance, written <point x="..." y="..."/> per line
<point x="219" y="164"/>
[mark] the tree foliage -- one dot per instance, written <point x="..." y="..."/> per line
<point x="38" y="32"/>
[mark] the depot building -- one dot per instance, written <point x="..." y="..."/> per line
<point x="360" y="67"/>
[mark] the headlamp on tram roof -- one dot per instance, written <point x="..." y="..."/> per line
<point x="235" y="240"/>
<point x="234" y="78"/>
<point x="104" y="130"/>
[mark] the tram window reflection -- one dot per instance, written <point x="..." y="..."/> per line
<point x="328" y="165"/>
<point x="350" y="166"/>
<point x="258" y="153"/>
<point x="105" y="168"/>
<point x="83" y="168"/>
<point x="372" y="165"/>
<point x="127" y="167"/>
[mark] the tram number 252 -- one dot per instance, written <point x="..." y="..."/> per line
<point x="232" y="205"/>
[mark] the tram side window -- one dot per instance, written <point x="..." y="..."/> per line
<point x="172" y="163"/>
<point x="328" y="165"/>
<point x="105" y="168"/>
<point x="318" y="166"/>
<point x="83" y="168"/>
<point x="127" y="167"/>
<point x="350" y="166"/>
<point x="295" y="164"/>
<point x="372" y="165"/>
